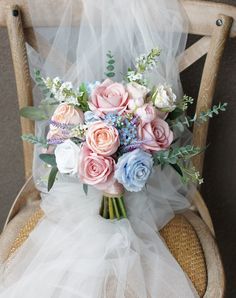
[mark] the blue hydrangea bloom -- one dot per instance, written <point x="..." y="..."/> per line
<point x="133" y="169"/>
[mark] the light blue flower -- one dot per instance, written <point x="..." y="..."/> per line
<point x="90" y="117"/>
<point x="133" y="169"/>
<point x="91" y="86"/>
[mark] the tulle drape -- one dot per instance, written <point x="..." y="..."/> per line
<point x="83" y="31"/>
<point x="74" y="252"/>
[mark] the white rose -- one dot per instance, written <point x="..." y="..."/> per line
<point x="136" y="90"/>
<point x="67" y="157"/>
<point x="164" y="98"/>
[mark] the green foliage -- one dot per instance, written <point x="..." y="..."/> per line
<point x="34" y="113"/>
<point x="203" y="117"/>
<point x="85" y="188"/>
<point x="52" y="177"/>
<point x="175" y="114"/>
<point x="49" y="159"/>
<point x="110" y="65"/>
<point x="83" y="98"/>
<point x="30" y="138"/>
<point x="41" y="84"/>
<point x="173" y="155"/>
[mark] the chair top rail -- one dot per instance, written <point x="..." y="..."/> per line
<point x="202" y="14"/>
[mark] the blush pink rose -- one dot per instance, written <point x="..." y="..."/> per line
<point x="109" y="97"/>
<point x="102" y="138"/>
<point x="134" y="104"/>
<point x="64" y="114"/>
<point x="147" y="113"/>
<point x="95" y="170"/>
<point x="155" y="135"/>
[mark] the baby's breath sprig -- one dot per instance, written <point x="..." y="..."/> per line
<point x="184" y="103"/>
<point x="147" y="62"/>
<point x="79" y="131"/>
<point x="143" y="63"/>
<point x="191" y="174"/>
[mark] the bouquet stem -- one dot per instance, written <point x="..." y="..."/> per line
<point x="113" y="206"/>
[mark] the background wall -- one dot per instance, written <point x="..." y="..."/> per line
<point x="219" y="189"/>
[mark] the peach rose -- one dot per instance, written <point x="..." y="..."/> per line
<point x="95" y="170"/>
<point x="136" y="90"/>
<point x="147" y="113"/>
<point x="109" y="97"/>
<point x="68" y="114"/>
<point x="155" y="135"/>
<point x="102" y="138"/>
<point x="64" y="114"/>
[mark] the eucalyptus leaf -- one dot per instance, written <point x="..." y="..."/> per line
<point x="175" y="114"/>
<point x="110" y="67"/>
<point x="85" y="188"/>
<point x="52" y="177"/>
<point x="177" y="168"/>
<point x="33" y="113"/>
<point x="111" y="61"/>
<point x="49" y="159"/>
<point x="110" y="74"/>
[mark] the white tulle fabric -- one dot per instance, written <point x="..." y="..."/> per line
<point x="73" y="252"/>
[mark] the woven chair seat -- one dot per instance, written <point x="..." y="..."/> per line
<point x="178" y="234"/>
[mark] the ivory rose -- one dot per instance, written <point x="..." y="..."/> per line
<point x="147" y="113"/>
<point x="136" y="90"/>
<point x="67" y="157"/>
<point x="64" y="114"/>
<point x="95" y="169"/>
<point x="155" y="135"/>
<point x="108" y="97"/>
<point x="102" y="138"/>
<point x="164" y="98"/>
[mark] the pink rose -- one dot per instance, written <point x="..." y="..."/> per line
<point x="136" y="90"/>
<point x="64" y="114"/>
<point x="95" y="169"/>
<point x="135" y="103"/>
<point x="108" y="97"/>
<point x="102" y="138"/>
<point x="147" y="113"/>
<point x="155" y="135"/>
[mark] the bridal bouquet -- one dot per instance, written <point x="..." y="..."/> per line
<point x="111" y="134"/>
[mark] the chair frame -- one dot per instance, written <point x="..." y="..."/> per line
<point x="215" y="22"/>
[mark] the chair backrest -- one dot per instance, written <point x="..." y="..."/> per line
<point x="213" y="21"/>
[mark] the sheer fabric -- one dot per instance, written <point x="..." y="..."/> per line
<point x="74" y="252"/>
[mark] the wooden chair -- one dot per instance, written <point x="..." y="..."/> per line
<point x="189" y="236"/>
